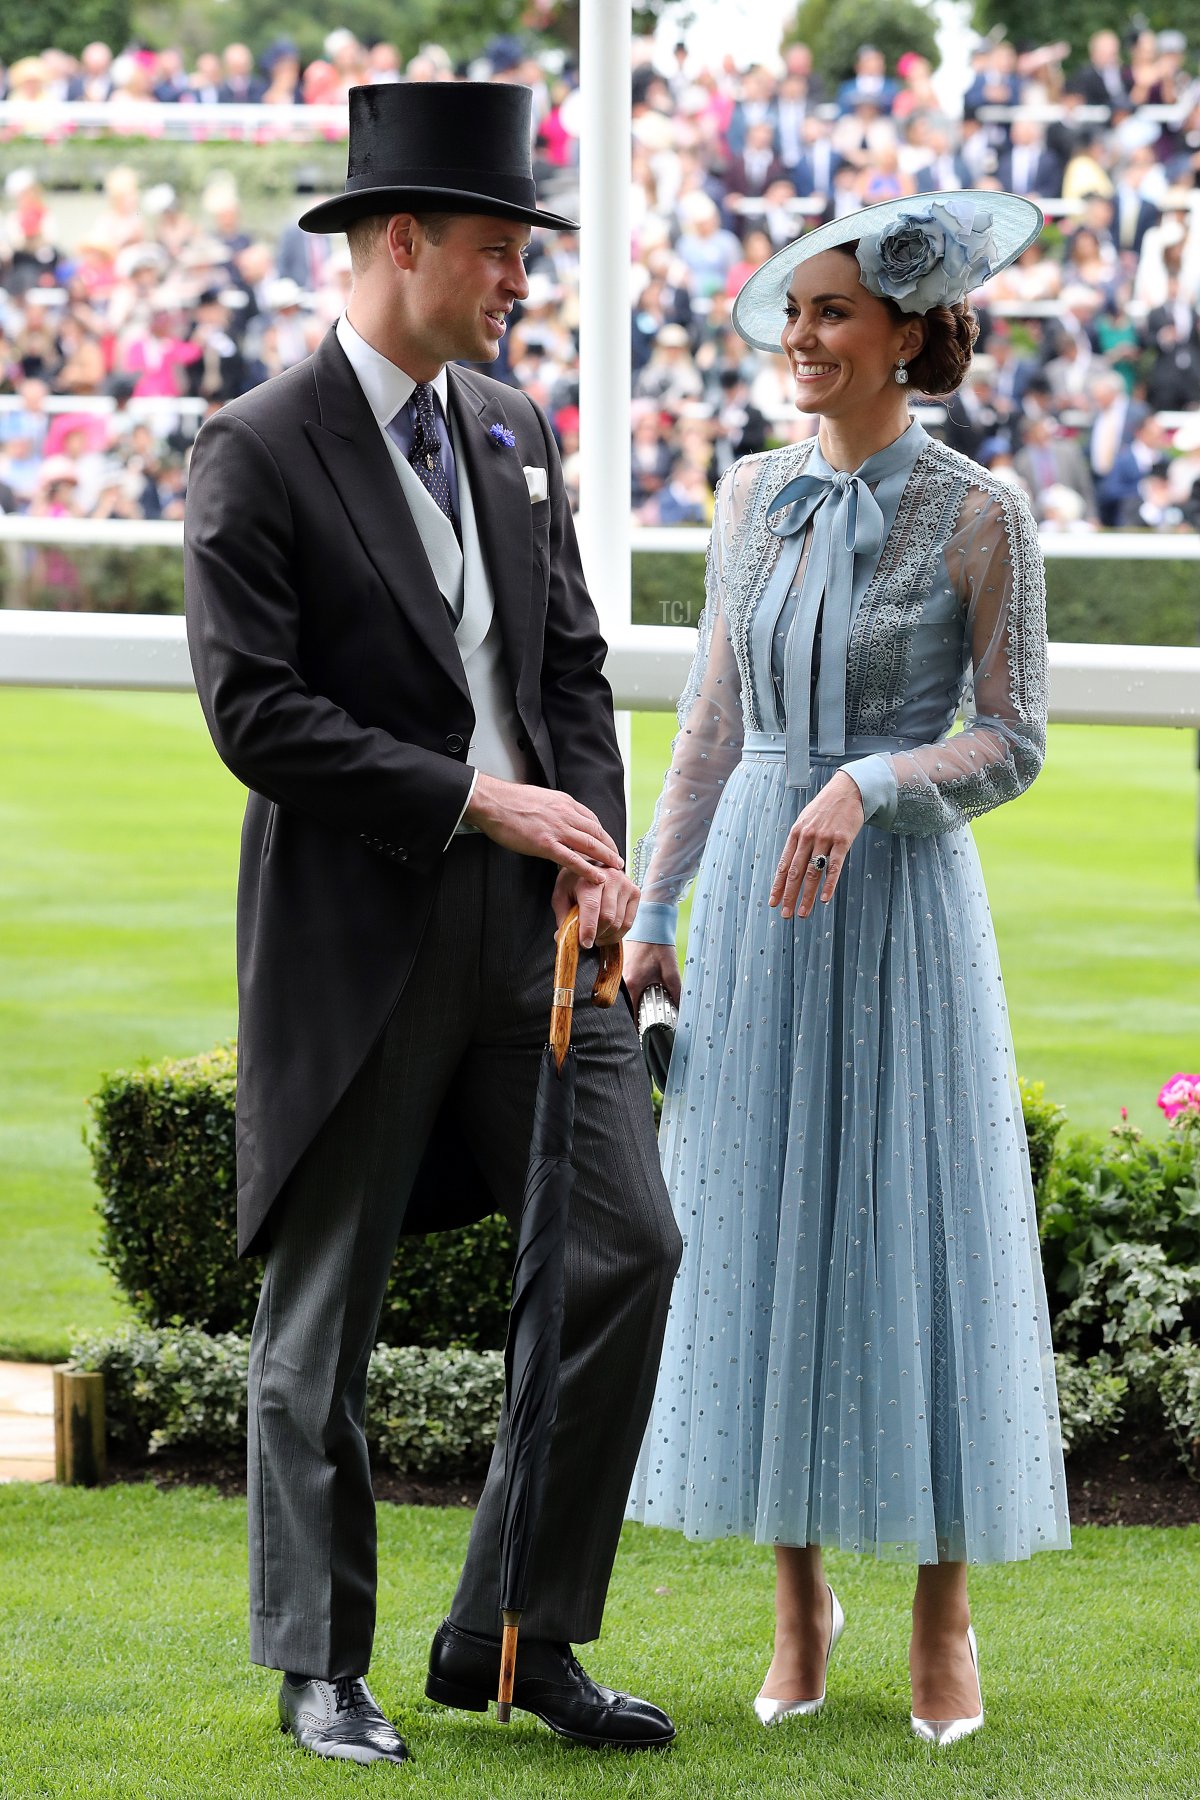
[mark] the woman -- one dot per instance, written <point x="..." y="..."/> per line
<point x="858" y="1353"/>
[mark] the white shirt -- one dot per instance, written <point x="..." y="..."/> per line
<point x="385" y="385"/>
<point x="387" y="388"/>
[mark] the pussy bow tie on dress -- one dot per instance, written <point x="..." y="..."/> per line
<point x="848" y="516"/>
<point x="847" y="535"/>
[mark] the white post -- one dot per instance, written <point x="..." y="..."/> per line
<point x="605" y="172"/>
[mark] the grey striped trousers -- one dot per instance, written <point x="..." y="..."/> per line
<point x="469" y="1028"/>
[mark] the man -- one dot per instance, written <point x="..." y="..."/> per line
<point x="752" y="173"/>
<point x="816" y="171"/>
<point x="1103" y="81"/>
<point x="396" y="652"/>
<point x="94" y="81"/>
<point x="870" y="77"/>
<point x="1116" y="419"/>
<point x="1047" y="460"/>
<point x="241" y="86"/>
<point x="1027" y="166"/>
<point x="756" y="105"/>
<point x="1134" y="208"/>
<point x="1121" y="490"/>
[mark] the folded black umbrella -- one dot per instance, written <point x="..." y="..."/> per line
<point x="532" y="1350"/>
<point x="657" y="1019"/>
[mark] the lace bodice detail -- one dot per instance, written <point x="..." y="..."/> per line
<point x="952" y="617"/>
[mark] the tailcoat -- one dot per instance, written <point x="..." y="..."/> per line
<point x="329" y="675"/>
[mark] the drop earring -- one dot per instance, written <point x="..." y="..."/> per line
<point x="901" y="372"/>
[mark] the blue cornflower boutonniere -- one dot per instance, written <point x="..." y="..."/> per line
<point x="502" y="437"/>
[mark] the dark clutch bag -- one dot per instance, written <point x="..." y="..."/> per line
<point x="657" y="1018"/>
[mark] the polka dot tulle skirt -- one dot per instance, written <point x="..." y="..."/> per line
<point x="858" y="1353"/>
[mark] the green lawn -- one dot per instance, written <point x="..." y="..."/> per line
<point x="119" y="831"/>
<point x="122" y="1613"/>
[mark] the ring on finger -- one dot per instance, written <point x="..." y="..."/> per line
<point x="819" y="863"/>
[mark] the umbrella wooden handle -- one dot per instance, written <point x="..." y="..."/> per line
<point x="566" y="967"/>
<point x="508" y="1666"/>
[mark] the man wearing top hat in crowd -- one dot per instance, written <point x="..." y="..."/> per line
<point x="396" y="653"/>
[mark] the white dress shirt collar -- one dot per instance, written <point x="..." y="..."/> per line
<point x="386" y="386"/>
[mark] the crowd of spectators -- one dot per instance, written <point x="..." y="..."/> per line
<point x="1085" y="388"/>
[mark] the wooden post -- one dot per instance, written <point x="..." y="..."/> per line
<point x="80" y="1458"/>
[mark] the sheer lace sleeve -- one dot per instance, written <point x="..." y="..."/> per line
<point x="994" y="563"/>
<point x="708" y="745"/>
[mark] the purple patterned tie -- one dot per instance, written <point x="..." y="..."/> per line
<point x="426" y="453"/>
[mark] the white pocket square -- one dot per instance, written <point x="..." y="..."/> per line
<point x="535" y="481"/>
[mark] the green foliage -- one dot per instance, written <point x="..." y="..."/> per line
<point x="88" y="578"/>
<point x="434" y="1412"/>
<point x="169" y="1390"/>
<point x="1091" y="1400"/>
<point x="429" y="1412"/>
<point x="1179" y="1395"/>
<point x="1126" y="1190"/>
<point x="162" y="1148"/>
<point x="1027" y="21"/>
<point x="461" y="27"/>
<point x="834" y="32"/>
<point x="63" y="25"/>
<point x="1043" y="1122"/>
<point x="1135" y="1296"/>
<point x="163" y="1157"/>
<point x="1121" y="602"/>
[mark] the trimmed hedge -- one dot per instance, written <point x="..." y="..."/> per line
<point x="834" y="32"/>
<point x="434" y="1413"/>
<point x="1118" y="602"/>
<point x="162" y="1148"/>
<point x="268" y="176"/>
<point x="1120" y="1223"/>
<point x="68" y="24"/>
<point x="1028" y="22"/>
<point x="429" y="1412"/>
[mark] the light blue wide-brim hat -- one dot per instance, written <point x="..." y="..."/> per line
<point x="996" y="229"/>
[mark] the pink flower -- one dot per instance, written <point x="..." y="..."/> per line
<point x="1124" y="1114"/>
<point x="1180" y="1094"/>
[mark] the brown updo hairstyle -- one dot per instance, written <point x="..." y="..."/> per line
<point x="944" y="360"/>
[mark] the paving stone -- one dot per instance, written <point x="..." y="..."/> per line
<point x="26" y="1422"/>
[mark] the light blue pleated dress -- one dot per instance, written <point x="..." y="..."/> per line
<point x="858" y="1352"/>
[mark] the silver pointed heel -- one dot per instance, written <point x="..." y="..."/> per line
<point x="770" y="1712"/>
<point x="948" y="1731"/>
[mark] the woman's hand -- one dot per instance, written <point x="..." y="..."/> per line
<point x="647" y="963"/>
<point x="827" y="827"/>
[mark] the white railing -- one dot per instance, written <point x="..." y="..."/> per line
<point x="151" y="407"/>
<point x="1092" y="684"/>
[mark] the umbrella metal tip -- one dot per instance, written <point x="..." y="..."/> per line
<point x="503" y="1712"/>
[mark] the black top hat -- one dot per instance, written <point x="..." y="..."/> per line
<point x="438" y="146"/>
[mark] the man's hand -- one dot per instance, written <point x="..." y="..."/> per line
<point x="543" y="822"/>
<point x="607" y="900"/>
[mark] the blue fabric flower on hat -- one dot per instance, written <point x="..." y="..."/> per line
<point x="931" y="256"/>
<point x="502" y="437"/>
